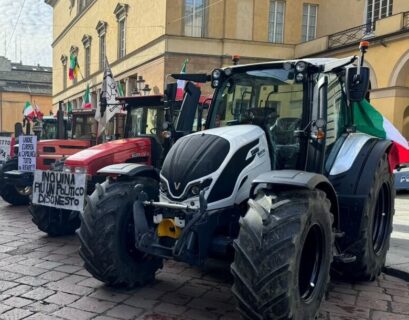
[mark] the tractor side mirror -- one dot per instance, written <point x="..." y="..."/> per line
<point x="170" y="91"/>
<point x="357" y="83"/>
<point x="18" y="129"/>
<point x="189" y="108"/>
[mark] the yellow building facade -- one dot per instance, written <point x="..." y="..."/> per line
<point x="21" y="83"/>
<point x="152" y="39"/>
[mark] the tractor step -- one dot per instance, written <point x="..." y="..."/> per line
<point x="345" y="258"/>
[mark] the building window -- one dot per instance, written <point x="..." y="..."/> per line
<point x="101" y="29"/>
<point x="276" y="21"/>
<point x="378" y="9"/>
<point x="86" y="40"/>
<point x="309" y="21"/>
<point x="121" y="38"/>
<point x="64" y="71"/>
<point x="194" y="18"/>
<point x="82" y="4"/>
<point x="121" y="13"/>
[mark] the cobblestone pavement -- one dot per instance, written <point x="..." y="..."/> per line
<point x="42" y="278"/>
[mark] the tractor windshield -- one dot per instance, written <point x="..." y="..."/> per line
<point x="269" y="98"/>
<point x="146" y="121"/>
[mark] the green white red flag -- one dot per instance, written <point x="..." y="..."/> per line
<point x="28" y="111"/>
<point x="181" y="83"/>
<point x="370" y="121"/>
<point x="86" y="99"/>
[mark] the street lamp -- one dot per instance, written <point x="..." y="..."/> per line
<point x="146" y="90"/>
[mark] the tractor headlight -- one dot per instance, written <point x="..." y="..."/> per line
<point x="299" y="77"/>
<point x="216" y="74"/>
<point x="228" y="72"/>
<point x="66" y="169"/>
<point x="80" y="170"/>
<point x="301" y="66"/>
<point x="195" y="189"/>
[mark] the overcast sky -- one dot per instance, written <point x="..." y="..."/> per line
<point x="33" y="29"/>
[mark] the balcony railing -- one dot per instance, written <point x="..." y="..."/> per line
<point x="350" y="36"/>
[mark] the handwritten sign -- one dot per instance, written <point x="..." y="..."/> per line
<point x="5" y="148"/>
<point x="59" y="189"/>
<point x="27" y="152"/>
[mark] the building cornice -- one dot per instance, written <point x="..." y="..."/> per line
<point x="51" y="3"/>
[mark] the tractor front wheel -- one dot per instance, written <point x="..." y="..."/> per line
<point x="107" y="235"/>
<point x="283" y="255"/>
<point x="14" y="195"/>
<point x="55" y="222"/>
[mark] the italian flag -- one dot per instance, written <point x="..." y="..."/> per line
<point x="73" y="72"/>
<point x="86" y="99"/>
<point x="181" y="83"/>
<point x="29" y="111"/>
<point x="368" y="120"/>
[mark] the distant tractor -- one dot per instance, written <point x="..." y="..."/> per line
<point x="149" y="126"/>
<point x="15" y="186"/>
<point x="282" y="182"/>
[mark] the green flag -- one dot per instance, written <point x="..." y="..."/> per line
<point x="69" y="107"/>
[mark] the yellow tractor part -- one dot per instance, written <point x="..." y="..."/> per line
<point x="168" y="228"/>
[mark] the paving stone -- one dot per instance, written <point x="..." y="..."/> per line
<point x="109" y="295"/>
<point x="15" y="314"/>
<point x="74" y="278"/>
<point x="372" y="303"/>
<point x="337" y="297"/>
<point x="54" y="257"/>
<point x="380" y="315"/>
<point x="68" y="268"/>
<point x="71" y="314"/>
<point x="141" y="303"/>
<point x="17" y="302"/>
<point x="104" y="318"/>
<point x="62" y="298"/>
<point x="4" y="285"/>
<point x="40" y="316"/>
<point x="211" y="305"/>
<point x="92" y="305"/>
<point x="4" y="308"/>
<point x="38" y="294"/>
<point x="198" y="314"/>
<point x="42" y="306"/>
<point x="53" y="275"/>
<point x="68" y="288"/>
<point x="170" y="309"/>
<point x="48" y="264"/>
<point x="5" y="275"/>
<point x="31" y="281"/>
<point x="124" y="312"/>
<point x="350" y="311"/>
<point x="400" y="307"/>
<point x="24" y="270"/>
<point x="375" y="295"/>
<point x="90" y="282"/>
<point x="18" y="290"/>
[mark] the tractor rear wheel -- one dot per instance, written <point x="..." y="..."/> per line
<point x="55" y="222"/>
<point x="283" y="255"/>
<point x="10" y="193"/>
<point x="372" y="245"/>
<point x="107" y="235"/>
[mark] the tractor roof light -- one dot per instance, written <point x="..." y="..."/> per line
<point x="216" y="74"/>
<point x="301" y="66"/>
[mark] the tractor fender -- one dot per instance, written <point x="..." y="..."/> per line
<point x="287" y="179"/>
<point x="130" y="170"/>
<point x="353" y="186"/>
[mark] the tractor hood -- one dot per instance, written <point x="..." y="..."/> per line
<point x="198" y="159"/>
<point x="118" y="151"/>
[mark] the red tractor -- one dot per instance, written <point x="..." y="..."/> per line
<point x="15" y="186"/>
<point x="147" y="136"/>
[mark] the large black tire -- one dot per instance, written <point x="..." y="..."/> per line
<point x="372" y="244"/>
<point x="283" y="255"/>
<point x="53" y="221"/>
<point x="8" y="192"/>
<point x="107" y="236"/>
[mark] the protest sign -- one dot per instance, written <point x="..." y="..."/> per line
<point x="5" y="148"/>
<point x="27" y="152"/>
<point x="59" y="189"/>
